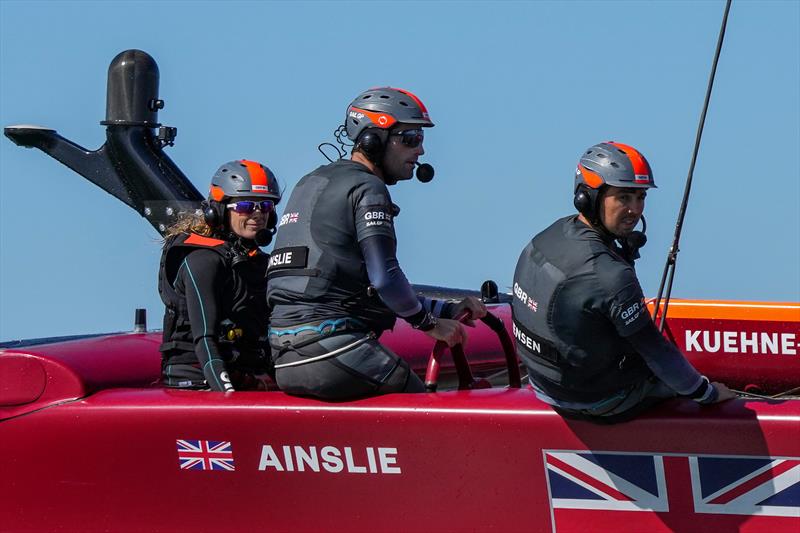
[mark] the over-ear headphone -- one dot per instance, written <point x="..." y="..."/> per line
<point x="213" y="213"/>
<point x="585" y="201"/>
<point x="371" y="144"/>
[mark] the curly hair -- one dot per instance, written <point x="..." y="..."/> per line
<point x="188" y="223"/>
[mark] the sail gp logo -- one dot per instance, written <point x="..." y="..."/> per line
<point x="377" y="218"/>
<point x="632" y="312"/>
<point x="670" y="492"/>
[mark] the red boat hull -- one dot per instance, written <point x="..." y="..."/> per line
<point x="447" y="461"/>
<point x="90" y="442"/>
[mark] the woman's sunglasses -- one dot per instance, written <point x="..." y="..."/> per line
<point x="410" y="138"/>
<point x="247" y="207"/>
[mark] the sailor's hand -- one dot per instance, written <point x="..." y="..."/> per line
<point x="473" y="306"/>
<point x="723" y="392"/>
<point x="450" y="331"/>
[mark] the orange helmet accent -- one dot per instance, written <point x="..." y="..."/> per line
<point x="381" y="120"/>
<point x="591" y="179"/>
<point x="216" y="193"/>
<point x="258" y="177"/>
<point x="641" y="168"/>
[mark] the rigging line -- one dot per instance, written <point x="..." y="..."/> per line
<point x="672" y="257"/>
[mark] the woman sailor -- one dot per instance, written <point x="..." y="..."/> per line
<point x="212" y="281"/>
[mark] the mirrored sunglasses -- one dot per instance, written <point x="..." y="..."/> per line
<point x="246" y="207"/>
<point x="410" y="138"/>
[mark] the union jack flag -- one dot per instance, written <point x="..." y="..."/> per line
<point x="289" y="218"/>
<point x="671" y="492"/>
<point x="205" y="455"/>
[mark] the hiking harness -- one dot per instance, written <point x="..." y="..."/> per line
<point x="324" y="329"/>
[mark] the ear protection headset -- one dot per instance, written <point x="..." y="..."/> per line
<point x="371" y="143"/>
<point x="585" y="201"/>
<point x="213" y="213"/>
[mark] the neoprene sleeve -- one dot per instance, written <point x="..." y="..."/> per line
<point x="669" y="364"/>
<point x="202" y="275"/>
<point x="387" y="277"/>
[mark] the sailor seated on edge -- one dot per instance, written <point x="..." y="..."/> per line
<point x="580" y="320"/>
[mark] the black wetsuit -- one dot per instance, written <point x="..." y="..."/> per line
<point x="216" y="315"/>
<point x="333" y="279"/>
<point x="583" y="330"/>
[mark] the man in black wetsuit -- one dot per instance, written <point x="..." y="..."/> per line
<point x="580" y="320"/>
<point x="213" y="283"/>
<point x="334" y="280"/>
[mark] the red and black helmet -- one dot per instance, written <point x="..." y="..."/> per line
<point x="613" y="163"/>
<point x="383" y="107"/>
<point x="244" y="178"/>
<point x="240" y="179"/>
<point x="608" y="164"/>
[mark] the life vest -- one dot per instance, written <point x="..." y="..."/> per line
<point x="316" y="271"/>
<point x="178" y="342"/>
<point x="572" y="351"/>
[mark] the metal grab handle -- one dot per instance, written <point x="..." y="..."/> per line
<point x="495" y="323"/>
<point x="466" y="381"/>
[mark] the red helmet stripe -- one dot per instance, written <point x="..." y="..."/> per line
<point x="414" y="97"/>
<point x="640" y="166"/>
<point x="257" y="175"/>
<point x="381" y="120"/>
<point x="592" y="179"/>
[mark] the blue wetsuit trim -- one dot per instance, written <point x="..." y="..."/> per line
<point x="333" y="324"/>
<point x="205" y="323"/>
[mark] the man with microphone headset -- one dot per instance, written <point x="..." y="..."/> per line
<point x="580" y="320"/>
<point x="334" y="282"/>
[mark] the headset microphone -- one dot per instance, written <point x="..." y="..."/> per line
<point x="633" y="241"/>
<point x="425" y="172"/>
<point x="264" y="236"/>
<point x="637" y="239"/>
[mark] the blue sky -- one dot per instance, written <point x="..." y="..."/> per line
<point x="517" y="89"/>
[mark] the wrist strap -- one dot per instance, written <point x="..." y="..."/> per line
<point x="705" y="393"/>
<point x="422" y="320"/>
